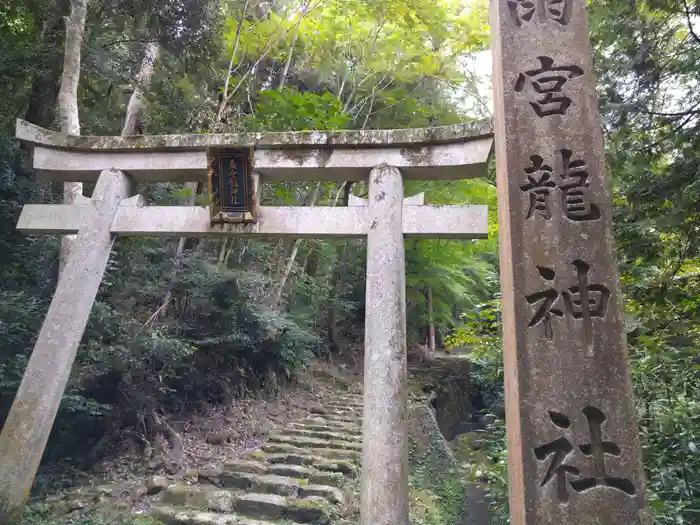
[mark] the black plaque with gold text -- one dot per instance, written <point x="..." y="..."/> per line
<point x="231" y="185"/>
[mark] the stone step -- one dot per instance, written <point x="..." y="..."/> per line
<point x="204" y="498"/>
<point x="319" y="477"/>
<point x="182" y="516"/>
<point x="180" y="501"/>
<point x="339" y="418"/>
<point x="262" y="483"/>
<point x="347" y="398"/>
<point x="321" y="434"/>
<point x="322" y="477"/>
<point x="328" y="453"/>
<point x="338" y="427"/>
<point x="280" y="485"/>
<point x="276" y="507"/>
<point x="303" y="441"/>
<point x="337" y="412"/>
<point x="344" y="406"/>
<point x="342" y="466"/>
<point x="318" y="420"/>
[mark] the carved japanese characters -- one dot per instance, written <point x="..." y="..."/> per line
<point x="547" y="83"/>
<point x="571" y="184"/>
<point x="525" y="11"/>
<point x="567" y="470"/>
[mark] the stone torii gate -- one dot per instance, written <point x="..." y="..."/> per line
<point x="384" y="158"/>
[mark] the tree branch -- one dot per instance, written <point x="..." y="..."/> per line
<point x="690" y="24"/>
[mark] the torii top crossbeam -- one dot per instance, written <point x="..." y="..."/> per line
<point x="449" y="152"/>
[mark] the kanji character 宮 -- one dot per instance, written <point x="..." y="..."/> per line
<point x="548" y="81"/>
<point x="539" y="186"/>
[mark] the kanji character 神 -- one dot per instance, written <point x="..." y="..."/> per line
<point x="548" y="297"/>
<point x="582" y="301"/>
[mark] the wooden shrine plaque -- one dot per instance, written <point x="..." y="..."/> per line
<point x="231" y="188"/>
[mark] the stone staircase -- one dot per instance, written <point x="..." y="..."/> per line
<point x="300" y="475"/>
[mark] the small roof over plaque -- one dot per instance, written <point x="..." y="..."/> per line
<point x="231" y="185"/>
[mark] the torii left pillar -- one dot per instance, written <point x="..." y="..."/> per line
<point x="29" y="422"/>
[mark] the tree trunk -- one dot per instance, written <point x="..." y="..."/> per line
<point x="292" y="256"/>
<point x="134" y="111"/>
<point x="431" y="321"/>
<point x="288" y="62"/>
<point x="337" y="279"/>
<point x="142" y="82"/>
<point x="224" y="98"/>
<point x="178" y="259"/>
<point x="41" y="109"/>
<point x="68" y="104"/>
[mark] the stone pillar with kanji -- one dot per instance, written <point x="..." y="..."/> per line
<point x="574" y="454"/>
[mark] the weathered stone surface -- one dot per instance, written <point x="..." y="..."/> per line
<point x="574" y="455"/>
<point x="384" y="487"/>
<point x="304" y="441"/>
<point x="331" y="494"/>
<point x="300" y="472"/>
<point x="318" y="420"/>
<point x="209" y="474"/>
<point x="345" y="156"/>
<point x="203" y="498"/>
<point x="349" y="430"/>
<point x="323" y="434"/>
<point x="469" y="222"/>
<point x="31" y="133"/>
<point x="309" y="511"/>
<point x="156" y="484"/>
<point x="265" y="484"/>
<point x="268" y="506"/>
<point x="427" y="444"/>
<point x="414" y="200"/>
<point x="334" y="453"/>
<point x="31" y="417"/>
<point x="251" y="467"/>
<point x="178" y="516"/>
<point x="319" y="462"/>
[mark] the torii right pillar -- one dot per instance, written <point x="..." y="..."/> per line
<point x="574" y="455"/>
